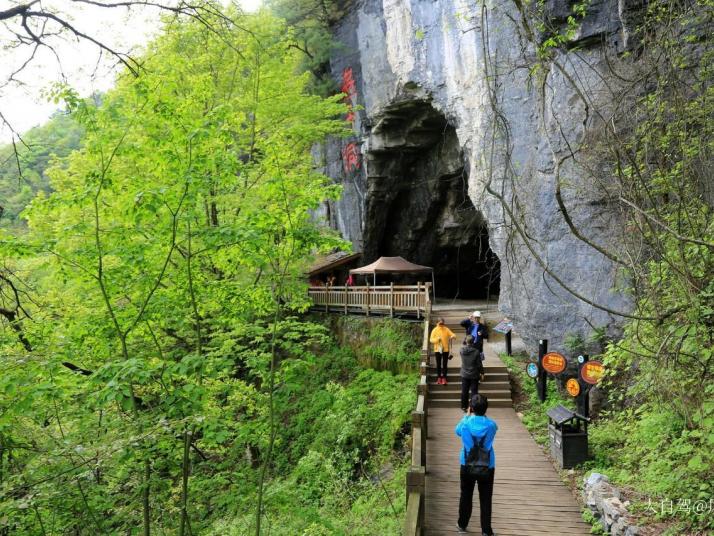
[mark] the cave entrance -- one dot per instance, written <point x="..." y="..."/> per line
<point x="418" y="205"/>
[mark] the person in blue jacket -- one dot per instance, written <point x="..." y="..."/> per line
<point x="477" y="328"/>
<point x="473" y="427"/>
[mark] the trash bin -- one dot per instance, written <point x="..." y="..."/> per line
<point x="568" y="432"/>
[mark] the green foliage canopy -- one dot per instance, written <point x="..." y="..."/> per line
<point x="156" y="277"/>
<point x="22" y="167"/>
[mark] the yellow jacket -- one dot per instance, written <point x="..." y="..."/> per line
<point x="441" y="335"/>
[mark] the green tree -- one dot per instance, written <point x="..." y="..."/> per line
<point x="22" y="167"/>
<point x="162" y="263"/>
<point x="311" y="22"/>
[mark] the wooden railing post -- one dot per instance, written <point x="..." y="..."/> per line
<point x="416" y="480"/>
<point x="418" y="421"/>
<point x="367" y="300"/>
<point x="414" y="520"/>
<point x="423" y="389"/>
<point x="347" y="297"/>
<point x="427" y="307"/>
<point x="417" y="299"/>
<point x="425" y="343"/>
<point x="391" y="299"/>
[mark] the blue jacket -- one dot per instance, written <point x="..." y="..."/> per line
<point x="476" y="426"/>
<point x="473" y="330"/>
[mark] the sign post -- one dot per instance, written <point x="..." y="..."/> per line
<point x="583" y="401"/>
<point x="542" y="377"/>
<point x="505" y="326"/>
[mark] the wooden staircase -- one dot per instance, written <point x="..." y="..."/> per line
<point x="496" y="385"/>
<point x="529" y="496"/>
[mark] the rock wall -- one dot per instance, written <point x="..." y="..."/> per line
<point x="413" y="67"/>
<point x="604" y="501"/>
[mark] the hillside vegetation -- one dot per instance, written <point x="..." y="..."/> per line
<point x="158" y="372"/>
<point x="23" y="166"/>
<point x="158" y="376"/>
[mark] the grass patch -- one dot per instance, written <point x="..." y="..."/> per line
<point x="533" y="412"/>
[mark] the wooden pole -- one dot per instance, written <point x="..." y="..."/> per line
<point x="391" y="299"/>
<point x="367" y="300"/>
<point x="583" y="400"/>
<point x="417" y="299"/>
<point x="542" y="375"/>
<point x="346" y="297"/>
<point x="429" y="291"/>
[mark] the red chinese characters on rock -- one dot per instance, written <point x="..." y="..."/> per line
<point x="348" y="83"/>
<point x="350" y="157"/>
<point x="349" y="87"/>
<point x="350" y="152"/>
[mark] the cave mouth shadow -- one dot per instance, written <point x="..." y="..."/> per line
<point x="419" y="207"/>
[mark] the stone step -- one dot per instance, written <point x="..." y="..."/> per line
<point x="436" y="390"/>
<point x="456" y="402"/>
<point x="486" y="365"/>
<point x="456" y="378"/>
<point x="495" y="395"/>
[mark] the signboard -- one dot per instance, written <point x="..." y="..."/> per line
<point x="554" y="362"/>
<point x="504" y="326"/>
<point x="532" y="370"/>
<point x="573" y="387"/>
<point x="592" y="372"/>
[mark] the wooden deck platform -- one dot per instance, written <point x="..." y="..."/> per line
<point x="529" y="497"/>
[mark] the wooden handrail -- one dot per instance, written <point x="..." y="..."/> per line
<point x="388" y="300"/>
<point x="415" y="514"/>
<point x="425" y="343"/>
<point x="416" y="475"/>
<point x="373" y="287"/>
<point x="417" y="439"/>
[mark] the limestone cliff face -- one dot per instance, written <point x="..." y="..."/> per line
<point x="456" y="139"/>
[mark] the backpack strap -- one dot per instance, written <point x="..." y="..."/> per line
<point x="479" y="443"/>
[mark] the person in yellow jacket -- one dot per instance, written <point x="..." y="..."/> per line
<point x="441" y="338"/>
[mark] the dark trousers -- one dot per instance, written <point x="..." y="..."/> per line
<point x="441" y="359"/>
<point x="485" y="496"/>
<point x="468" y="384"/>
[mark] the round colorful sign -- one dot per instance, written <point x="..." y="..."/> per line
<point x="554" y="362"/>
<point x="573" y="387"/>
<point x="532" y="370"/>
<point x="592" y="372"/>
<point x="581" y="359"/>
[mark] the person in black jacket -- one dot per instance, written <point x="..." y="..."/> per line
<point x="471" y="371"/>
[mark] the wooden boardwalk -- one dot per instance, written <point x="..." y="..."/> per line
<point x="529" y="497"/>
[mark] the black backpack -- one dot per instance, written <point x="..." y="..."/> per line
<point x="478" y="459"/>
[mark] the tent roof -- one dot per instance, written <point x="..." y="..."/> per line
<point x="393" y="265"/>
<point x="332" y="261"/>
